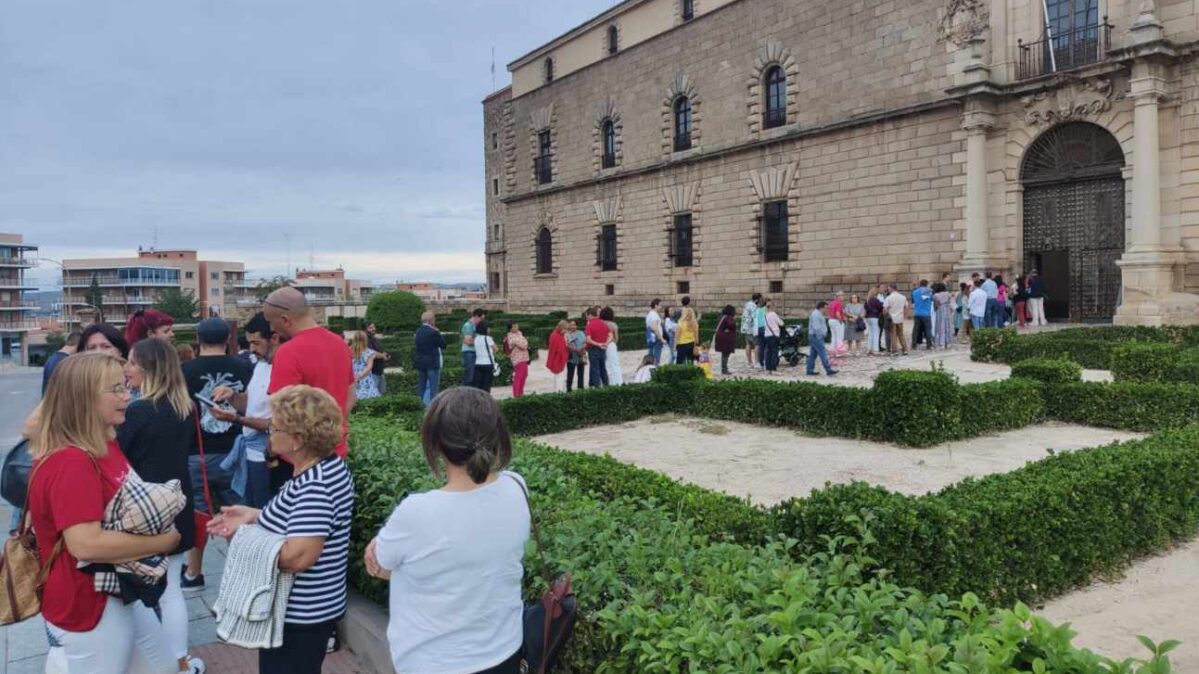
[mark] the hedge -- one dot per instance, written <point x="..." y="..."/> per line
<point x="997" y="406"/>
<point x="1133" y="406"/>
<point x="1048" y="370"/>
<point x="919" y="409"/>
<point x="658" y="596"/>
<point x="677" y="374"/>
<point x="1143" y="361"/>
<point x="1091" y="347"/>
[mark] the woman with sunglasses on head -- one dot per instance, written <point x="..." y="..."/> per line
<point x="79" y="468"/>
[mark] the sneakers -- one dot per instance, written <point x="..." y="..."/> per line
<point x="832" y="373"/>
<point x="191" y="584"/>
<point x="195" y="665"/>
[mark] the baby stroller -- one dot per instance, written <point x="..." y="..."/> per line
<point x="789" y="343"/>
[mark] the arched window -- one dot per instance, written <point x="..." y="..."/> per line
<point x="613" y="39"/>
<point x="549" y="69"/>
<point x="682" y="124"/>
<point x="775" y="113"/>
<point x="609" y="134"/>
<point x="545" y="251"/>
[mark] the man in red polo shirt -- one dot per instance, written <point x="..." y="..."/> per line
<point x="311" y="355"/>
<point x="598" y="334"/>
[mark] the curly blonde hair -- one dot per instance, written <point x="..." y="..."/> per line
<point x="311" y="415"/>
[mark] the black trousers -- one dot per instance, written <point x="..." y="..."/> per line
<point x="484" y="375"/>
<point x="302" y="652"/>
<point x="509" y="666"/>
<point x="922" y="331"/>
<point x="685" y="354"/>
<point x="571" y="369"/>
<point x="724" y="363"/>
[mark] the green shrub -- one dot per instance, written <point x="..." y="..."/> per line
<point x="1186" y="369"/>
<point x="1048" y="371"/>
<point x="1133" y="406"/>
<point x="1144" y="361"/>
<point x="538" y="414"/>
<point x="1000" y="406"/>
<point x="846" y="412"/>
<point x="990" y="345"/>
<point x="389" y="405"/>
<point x="919" y="408"/>
<point x="395" y="310"/>
<point x="675" y="374"/>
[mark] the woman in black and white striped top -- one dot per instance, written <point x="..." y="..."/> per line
<point x="313" y="511"/>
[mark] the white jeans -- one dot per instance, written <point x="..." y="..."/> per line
<point x="560" y="381"/>
<point x="837" y="329"/>
<point x="127" y="639"/>
<point x="872" y="327"/>
<point x="612" y="363"/>
<point x="173" y="607"/>
<point x="1036" y="309"/>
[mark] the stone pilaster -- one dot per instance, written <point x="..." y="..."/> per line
<point x="977" y="120"/>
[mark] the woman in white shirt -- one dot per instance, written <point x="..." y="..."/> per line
<point x="454" y="556"/>
<point x="484" y="357"/>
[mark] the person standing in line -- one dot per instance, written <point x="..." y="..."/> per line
<point x="1036" y="299"/>
<point x="670" y="330"/>
<point x="597" y="335"/>
<point x="874" y="311"/>
<point x="459" y="546"/>
<point x="79" y="470"/>
<point x="69" y="347"/>
<point x="158" y="436"/>
<point x="1020" y="301"/>
<point x="485" y="351"/>
<point x="895" y="305"/>
<point x="773" y="331"/>
<point x="817" y="331"/>
<point x="103" y="338"/>
<point x="427" y="357"/>
<point x="961" y="310"/>
<point x="186" y="353"/>
<point x="468" y="346"/>
<point x="836" y="320"/>
<point x="989" y="286"/>
<point x="760" y="330"/>
<point x="855" y="316"/>
<point x="978" y="305"/>
<point x="943" y="329"/>
<point x="1002" y="300"/>
<point x="518" y="351"/>
<point x="312" y="511"/>
<point x="725" y="339"/>
<point x="145" y="323"/>
<point x="687" y="337"/>
<point x="612" y="357"/>
<point x="576" y="344"/>
<point x="747" y="329"/>
<point x="922" y="311"/>
<point x="558" y="356"/>
<point x="653" y="331"/>
<point x="381" y="357"/>
<point x="363" y="360"/>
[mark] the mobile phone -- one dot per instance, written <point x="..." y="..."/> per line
<point x="207" y="402"/>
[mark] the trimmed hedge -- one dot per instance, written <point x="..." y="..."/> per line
<point x="998" y="406"/>
<point x="538" y="414"/>
<point x="919" y="409"/>
<point x="807" y="406"/>
<point x="677" y="374"/>
<point x="1133" y="406"/>
<point x="1143" y="361"/>
<point x="1048" y="370"/>
<point x="1091" y="347"/>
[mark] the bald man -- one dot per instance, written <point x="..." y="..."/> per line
<point x="311" y="355"/>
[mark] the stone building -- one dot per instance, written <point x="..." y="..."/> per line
<point x="796" y="147"/>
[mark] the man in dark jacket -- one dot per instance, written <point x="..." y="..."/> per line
<point x="427" y="358"/>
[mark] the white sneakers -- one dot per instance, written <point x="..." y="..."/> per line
<point x="195" y="665"/>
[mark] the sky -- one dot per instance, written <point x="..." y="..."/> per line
<point x="349" y="133"/>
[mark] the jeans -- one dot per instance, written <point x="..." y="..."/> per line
<point x="128" y="639"/>
<point x="172" y="608"/>
<point x="520" y="374"/>
<point x="220" y="481"/>
<point x="1036" y="311"/>
<point x="772" y="354"/>
<point x="258" y="484"/>
<point x="994" y="316"/>
<point x="381" y="382"/>
<point x="598" y="360"/>
<point x="560" y="382"/>
<point x="816" y="349"/>
<point x="571" y="369"/>
<point x="872" y="330"/>
<point x="302" y="652"/>
<point x="976" y="322"/>
<point x="468" y="368"/>
<point x="428" y="382"/>
<point x="1021" y="314"/>
<point x="922" y="331"/>
<point x="761" y="347"/>
<point x="655" y="350"/>
<point x="685" y="354"/>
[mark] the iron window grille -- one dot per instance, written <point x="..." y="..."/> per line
<point x="681" y="241"/>
<point x="776" y="98"/>
<point x="545" y="251"/>
<point x="609" y="136"/>
<point x="682" y="124"/>
<point x="543" y="164"/>
<point x="1074" y="37"/>
<point x="607" y="248"/>
<point x="774" y="232"/>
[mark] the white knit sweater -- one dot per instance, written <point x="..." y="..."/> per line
<point x="253" y="599"/>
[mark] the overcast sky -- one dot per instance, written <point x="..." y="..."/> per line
<point x="354" y="127"/>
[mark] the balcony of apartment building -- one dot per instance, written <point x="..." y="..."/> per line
<point x="1069" y="41"/>
<point x="11" y="257"/>
<point x="16" y="283"/>
<point x="320" y="296"/>
<point x="9" y="303"/>
<point x="234" y="281"/>
<point x="17" y="323"/>
<point x="162" y="278"/>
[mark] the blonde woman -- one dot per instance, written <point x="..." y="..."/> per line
<point x="687" y="336"/>
<point x="365" y="386"/>
<point x="79" y="469"/>
<point x="313" y="511"/>
<point x="158" y="435"/>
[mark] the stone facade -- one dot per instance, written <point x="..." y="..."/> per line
<point x="902" y="154"/>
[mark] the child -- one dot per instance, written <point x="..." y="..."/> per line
<point x="704" y="361"/>
<point x="645" y="371"/>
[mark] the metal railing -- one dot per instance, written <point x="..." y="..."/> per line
<point x="23" y="324"/>
<point x="1066" y="51"/>
<point x="18" y="261"/>
<point x="17" y="283"/>
<point x="774" y="117"/>
<point x="85" y="281"/>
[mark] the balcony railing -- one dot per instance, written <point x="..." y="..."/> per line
<point x="85" y="281"/>
<point x="19" y="324"/>
<point x="18" y="261"/>
<point x="774" y="117"/>
<point x="1066" y="51"/>
<point x="19" y="284"/>
<point x="23" y="305"/>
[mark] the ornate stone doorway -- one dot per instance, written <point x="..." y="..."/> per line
<point x="1074" y="218"/>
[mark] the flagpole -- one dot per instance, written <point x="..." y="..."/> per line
<point x="1049" y="37"/>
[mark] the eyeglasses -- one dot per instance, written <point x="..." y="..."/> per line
<point x="276" y="305"/>
<point x="118" y="389"/>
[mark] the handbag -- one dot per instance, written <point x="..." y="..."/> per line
<point x="548" y="624"/>
<point x="860" y="324"/>
<point x="14" y="477"/>
<point x="201" y="518"/>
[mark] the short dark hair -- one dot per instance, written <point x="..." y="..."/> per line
<point x="242" y="342"/>
<point x="653" y="304"/>
<point x="923" y="283"/>
<point x="821" y="304"/>
<point x="464" y="426"/>
<point x="259" y="325"/>
<point x="482" y="328"/>
<point x="110" y="333"/>
<point x="989" y="274"/>
<point x="686" y="300"/>
<point x="755" y="297"/>
<point x="978" y="283"/>
<point x="510" y="324"/>
<point x="478" y="313"/>
<point x="729" y="310"/>
<point x="73" y="338"/>
<point x="607" y="314"/>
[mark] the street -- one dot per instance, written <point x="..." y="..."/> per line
<point x="20" y="389"/>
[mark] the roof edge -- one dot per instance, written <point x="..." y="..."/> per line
<point x="574" y="32"/>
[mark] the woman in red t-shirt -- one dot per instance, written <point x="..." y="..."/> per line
<point x="79" y="469"/>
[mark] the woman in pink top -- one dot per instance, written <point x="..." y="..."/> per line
<point x="836" y="320"/>
<point x="518" y="350"/>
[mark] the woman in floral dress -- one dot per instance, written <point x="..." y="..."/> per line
<point x="365" y="386"/>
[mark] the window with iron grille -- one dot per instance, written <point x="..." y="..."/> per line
<point x="776" y="98"/>
<point x="495" y="281"/>
<point x="609" y="134"/>
<point x="609" y="289"/>
<point x="776" y="287"/>
<point x="774" y="232"/>
<point x="608" y="248"/>
<point x="549" y="70"/>
<point x="688" y="9"/>
<point x="613" y="39"/>
<point x="681" y="240"/>
<point x="682" y="287"/>
<point x="543" y="165"/>
<point x="682" y="124"/>
<point x="545" y="251"/>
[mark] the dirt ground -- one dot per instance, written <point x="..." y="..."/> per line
<point x="1156" y="598"/>
<point x="773" y="464"/>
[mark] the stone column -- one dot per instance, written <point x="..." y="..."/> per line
<point x="1146" y="190"/>
<point x="977" y="120"/>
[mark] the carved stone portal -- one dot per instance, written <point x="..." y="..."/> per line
<point x="964" y="20"/>
<point x="1076" y="100"/>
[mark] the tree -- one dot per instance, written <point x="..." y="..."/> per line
<point x="180" y="305"/>
<point x="267" y="286"/>
<point x="95" y="297"/>
<point x="55" y="341"/>
<point x="395" y="310"/>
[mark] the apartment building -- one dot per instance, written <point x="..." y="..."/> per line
<point x="17" y="310"/>
<point x="323" y="287"/>
<point x="129" y="284"/>
<point x="798" y="147"/>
